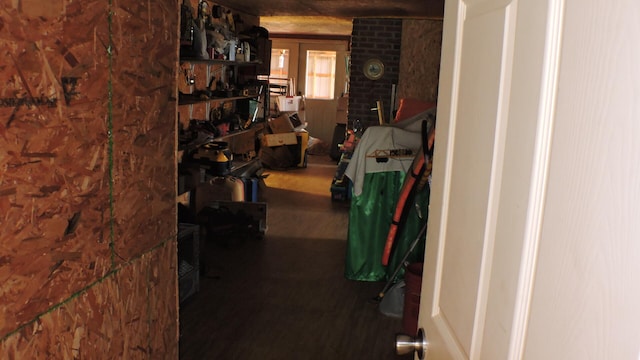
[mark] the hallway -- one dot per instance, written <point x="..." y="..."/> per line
<point x="285" y="296"/>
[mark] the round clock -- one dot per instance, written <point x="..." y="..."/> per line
<point x="373" y="69"/>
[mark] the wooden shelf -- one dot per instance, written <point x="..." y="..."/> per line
<point x="239" y="132"/>
<point x="195" y="100"/>
<point x="255" y="128"/>
<point x="219" y="62"/>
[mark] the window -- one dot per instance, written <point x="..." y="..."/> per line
<point x="321" y="74"/>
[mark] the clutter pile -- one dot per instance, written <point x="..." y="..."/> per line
<point x="285" y="146"/>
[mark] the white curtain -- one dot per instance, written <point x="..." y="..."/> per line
<point x="321" y="74"/>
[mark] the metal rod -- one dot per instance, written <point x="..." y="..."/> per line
<point x="402" y="264"/>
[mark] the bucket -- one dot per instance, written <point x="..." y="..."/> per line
<point x="413" y="281"/>
<point x="216" y="156"/>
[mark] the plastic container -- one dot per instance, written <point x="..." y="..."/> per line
<point x="290" y="103"/>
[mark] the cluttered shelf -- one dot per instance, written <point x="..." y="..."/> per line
<point x="195" y="172"/>
<point x="234" y="168"/>
<point x="222" y="108"/>
<point x="255" y="128"/>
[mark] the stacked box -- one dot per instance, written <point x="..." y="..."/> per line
<point x="281" y="124"/>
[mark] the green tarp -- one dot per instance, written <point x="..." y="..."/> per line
<point x="369" y="220"/>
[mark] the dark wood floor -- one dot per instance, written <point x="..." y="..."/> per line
<point x="285" y="296"/>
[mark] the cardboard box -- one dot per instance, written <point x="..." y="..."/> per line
<point x="342" y="110"/>
<point x="341" y="117"/>
<point x="343" y="103"/>
<point x="272" y="140"/>
<point x="242" y="143"/>
<point x="285" y="150"/>
<point x="290" y="103"/>
<point x="281" y="124"/>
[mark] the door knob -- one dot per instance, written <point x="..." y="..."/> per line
<point x="405" y="344"/>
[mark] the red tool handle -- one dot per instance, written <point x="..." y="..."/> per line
<point x="416" y="170"/>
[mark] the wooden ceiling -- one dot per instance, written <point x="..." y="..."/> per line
<point x="330" y="16"/>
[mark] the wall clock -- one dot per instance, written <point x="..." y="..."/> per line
<point x="373" y="69"/>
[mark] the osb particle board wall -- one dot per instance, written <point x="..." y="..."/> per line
<point x="420" y="59"/>
<point x="87" y="179"/>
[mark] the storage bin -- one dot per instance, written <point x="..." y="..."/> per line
<point x="290" y="103"/>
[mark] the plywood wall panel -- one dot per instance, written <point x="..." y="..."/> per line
<point x="62" y="295"/>
<point x="144" y="66"/>
<point x="163" y="302"/>
<point x="420" y="60"/>
<point x="115" y="319"/>
<point x="53" y="193"/>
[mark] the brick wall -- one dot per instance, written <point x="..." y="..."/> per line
<point x="373" y="38"/>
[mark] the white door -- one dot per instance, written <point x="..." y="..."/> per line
<point x="533" y="246"/>
<point x="320" y="114"/>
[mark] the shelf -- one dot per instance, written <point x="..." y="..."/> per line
<point x="196" y="100"/>
<point x="238" y="132"/>
<point x="219" y="62"/>
<point x="256" y="127"/>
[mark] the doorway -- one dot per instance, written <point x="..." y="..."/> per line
<point x="319" y="109"/>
